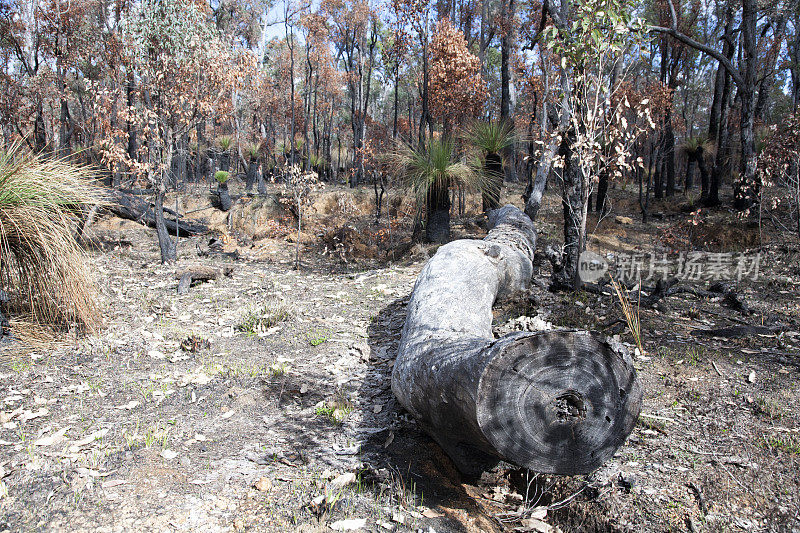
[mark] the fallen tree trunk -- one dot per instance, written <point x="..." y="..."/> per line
<point x="132" y="207"/>
<point x="558" y="401"/>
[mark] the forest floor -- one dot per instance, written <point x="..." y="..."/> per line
<point x="261" y="401"/>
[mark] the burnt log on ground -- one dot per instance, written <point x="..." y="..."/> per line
<point x="558" y="402"/>
<point x="198" y="274"/>
<point x="132" y="207"/>
<point x="733" y="332"/>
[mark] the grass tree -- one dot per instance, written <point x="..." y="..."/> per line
<point x="316" y="163"/>
<point x="253" y="151"/>
<point x="222" y="189"/>
<point x="696" y="149"/>
<point x="431" y="170"/>
<point x="43" y="269"/>
<point x="225" y="144"/>
<point x="491" y="139"/>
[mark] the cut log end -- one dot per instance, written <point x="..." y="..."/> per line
<point x="559" y="402"/>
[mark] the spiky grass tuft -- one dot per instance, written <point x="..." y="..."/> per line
<point x="225" y="142"/>
<point x="436" y="163"/>
<point x="253" y="150"/>
<point x="315" y="161"/>
<point x="490" y="137"/>
<point x="42" y="267"/>
<point x="697" y="146"/>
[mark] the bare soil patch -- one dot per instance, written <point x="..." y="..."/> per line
<point x="239" y="405"/>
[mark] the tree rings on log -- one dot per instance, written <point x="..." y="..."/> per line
<point x="558" y="401"/>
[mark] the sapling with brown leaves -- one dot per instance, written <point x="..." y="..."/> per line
<point x="590" y="39"/>
<point x="779" y="167"/>
<point x="299" y="185"/>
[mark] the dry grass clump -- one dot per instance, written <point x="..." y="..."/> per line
<point x="43" y="269"/>
<point x="632" y="317"/>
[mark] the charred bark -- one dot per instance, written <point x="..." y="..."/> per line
<point x="224" y="197"/>
<point x="493" y="168"/>
<point x="132" y="207"/>
<point x="437" y="223"/>
<point x="252" y="174"/>
<point x="167" y="246"/>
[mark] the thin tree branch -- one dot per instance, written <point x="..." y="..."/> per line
<point x="685" y="39"/>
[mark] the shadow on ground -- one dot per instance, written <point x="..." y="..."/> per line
<point x="403" y="450"/>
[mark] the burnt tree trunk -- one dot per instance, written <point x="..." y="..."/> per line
<point x="165" y="243"/>
<point x="669" y="156"/>
<point x="225" y="160"/>
<point x="575" y="202"/>
<point x="437" y="223"/>
<point x="747" y="188"/>
<point x="493" y="167"/>
<point x="266" y="175"/>
<point x="252" y="174"/>
<point x="658" y="178"/>
<point x="718" y="121"/>
<point x="534" y="201"/>
<point x="261" y="186"/>
<point x="688" y="182"/>
<point x="224" y="196"/>
<point x="506" y="44"/>
<point x="704" y="177"/>
<point x="602" y="192"/>
<point x="559" y="401"/>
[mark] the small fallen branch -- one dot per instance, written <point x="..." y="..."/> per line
<point x="631" y="317"/>
<point x="199" y="274"/>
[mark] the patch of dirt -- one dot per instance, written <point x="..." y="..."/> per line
<point x="239" y="405"/>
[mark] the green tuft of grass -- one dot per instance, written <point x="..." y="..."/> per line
<point x="490" y="137"/>
<point x="316" y="162"/>
<point x="225" y="142"/>
<point x="652" y="424"/>
<point x="277" y="370"/>
<point x="335" y="411"/>
<point x="253" y="151"/>
<point x="315" y="337"/>
<point x="767" y="408"/>
<point x="788" y="444"/>
<point x="21" y="364"/>
<point x="694" y="354"/>
<point x="255" y="321"/>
